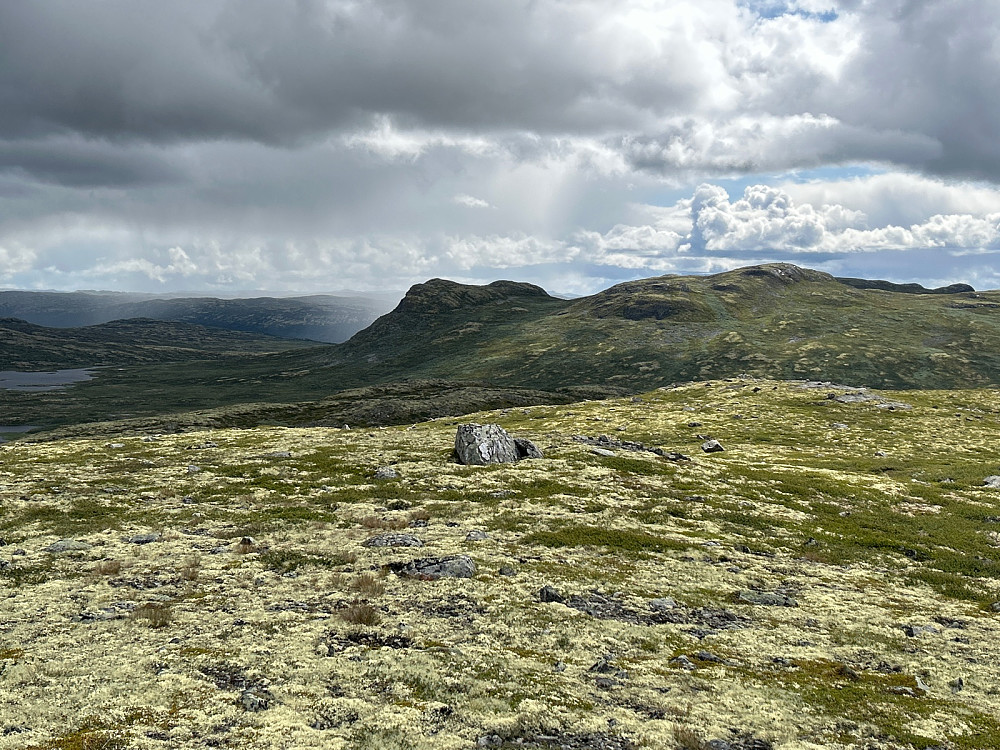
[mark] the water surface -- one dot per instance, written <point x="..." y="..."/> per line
<point x="11" y="380"/>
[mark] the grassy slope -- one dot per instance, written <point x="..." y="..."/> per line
<point x="28" y="347"/>
<point x="873" y="519"/>
<point x="768" y="321"/>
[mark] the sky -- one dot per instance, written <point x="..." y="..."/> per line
<point x="316" y="146"/>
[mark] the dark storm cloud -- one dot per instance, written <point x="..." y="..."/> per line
<point x="279" y="71"/>
<point x="285" y="142"/>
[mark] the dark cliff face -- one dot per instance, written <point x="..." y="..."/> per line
<point x="438" y="295"/>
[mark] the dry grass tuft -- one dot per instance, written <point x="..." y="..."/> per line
<point x="154" y="615"/>
<point x="191" y="568"/>
<point x="108" y="568"/>
<point x="361" y="613"/>
<point x="368" y="584"/>
<point x="390" y="524"/>
<point x="687" y="738"/>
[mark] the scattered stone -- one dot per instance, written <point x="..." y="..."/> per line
<point x="278" y="454"/>
<point x="992" y="482"/>
<point x="995" y="607"/>
<point x="683" y="662"/>
<point x="193" y="469"/>
<point x="386" y="472"/>
<point x="709" y="657"/>
<point x="419" y="523"/>
<point x="603" y="666"/>
<point x="550" y="594"/>
<point x="765" y="598"/>
<point x="606" y="683"/>
<point x="526" y="449"/>
<point x="662" y="605"/>
<point x="604" y="443"/>
<point x="915" y="631"/>
<point x="432" y="568"/>
<point x="559" y="666"/>
<point x="256" y="699"/>
<point x="957" y="685"/>
<point x="393" y="540"/>
<point x="116" y="445"/>
<point x="838" y="426"/>
<point x="712" y="446"/>
<point x="602" y="452"/>
<point x="145" y="538"/>
<point x="477" y="536"/>
<point x="507" y="570"/>
<point x="68" y="545"/>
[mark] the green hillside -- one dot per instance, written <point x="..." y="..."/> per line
<point x="774" y="321"/>
<point x="28" y="347"/>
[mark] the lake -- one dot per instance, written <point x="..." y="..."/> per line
<point x="11" y="380"/>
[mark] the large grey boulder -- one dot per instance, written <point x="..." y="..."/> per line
<point x="482" y="444"/>
<point x="432" y="568"/>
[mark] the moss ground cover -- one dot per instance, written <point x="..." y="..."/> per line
<point x="869" y="527"/>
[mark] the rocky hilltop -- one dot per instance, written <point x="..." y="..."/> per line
<point x="735" y="564"/>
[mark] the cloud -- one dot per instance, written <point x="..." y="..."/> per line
<point x="471" y="201"/>
<point x="321" y="142"/>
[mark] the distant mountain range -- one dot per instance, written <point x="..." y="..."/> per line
<point x="770" y="321"/>
<point x="323" y="318"/>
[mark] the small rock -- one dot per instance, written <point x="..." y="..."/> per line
<point x="915" y="631"/>
<point x="192" y="469"/>
<point x="605" y="683"/>
<point x="602" y="452"/>
<point x="559" y="666"/>
<point x="418" y="523"/>
<point x="957" y="685"/>
<point x="432" y="568"/>
<point x="278" y="454"/>
<point x="709" y="657"/>
<point x="393" y="540"/>
<point x="765" y="598"/>
<point x="526" y="449"/>
<point x="712" y="446"/>
<point x="489" y="740"/>
<point x="116" y="445"/>
<point x="256" y="699"/>
<point x="683" y="662"/>
<point x="718" y="745"/>
<point x="550" y="594"/>
<point x="386" y="472"/>
<point x="68" y="545"/>
<point x="662" y="605"/>
<point x="507" y="570"/>
<point x="477" y="536"/>
<point x="992" y="482"/>
<point x="995" y="607"/>
<point x="145" y="538"/>
<point x="838" y="426"/>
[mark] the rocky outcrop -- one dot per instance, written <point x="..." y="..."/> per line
<point x="482" y="444"/>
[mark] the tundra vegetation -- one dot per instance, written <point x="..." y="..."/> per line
<point x="829" y="580"/>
